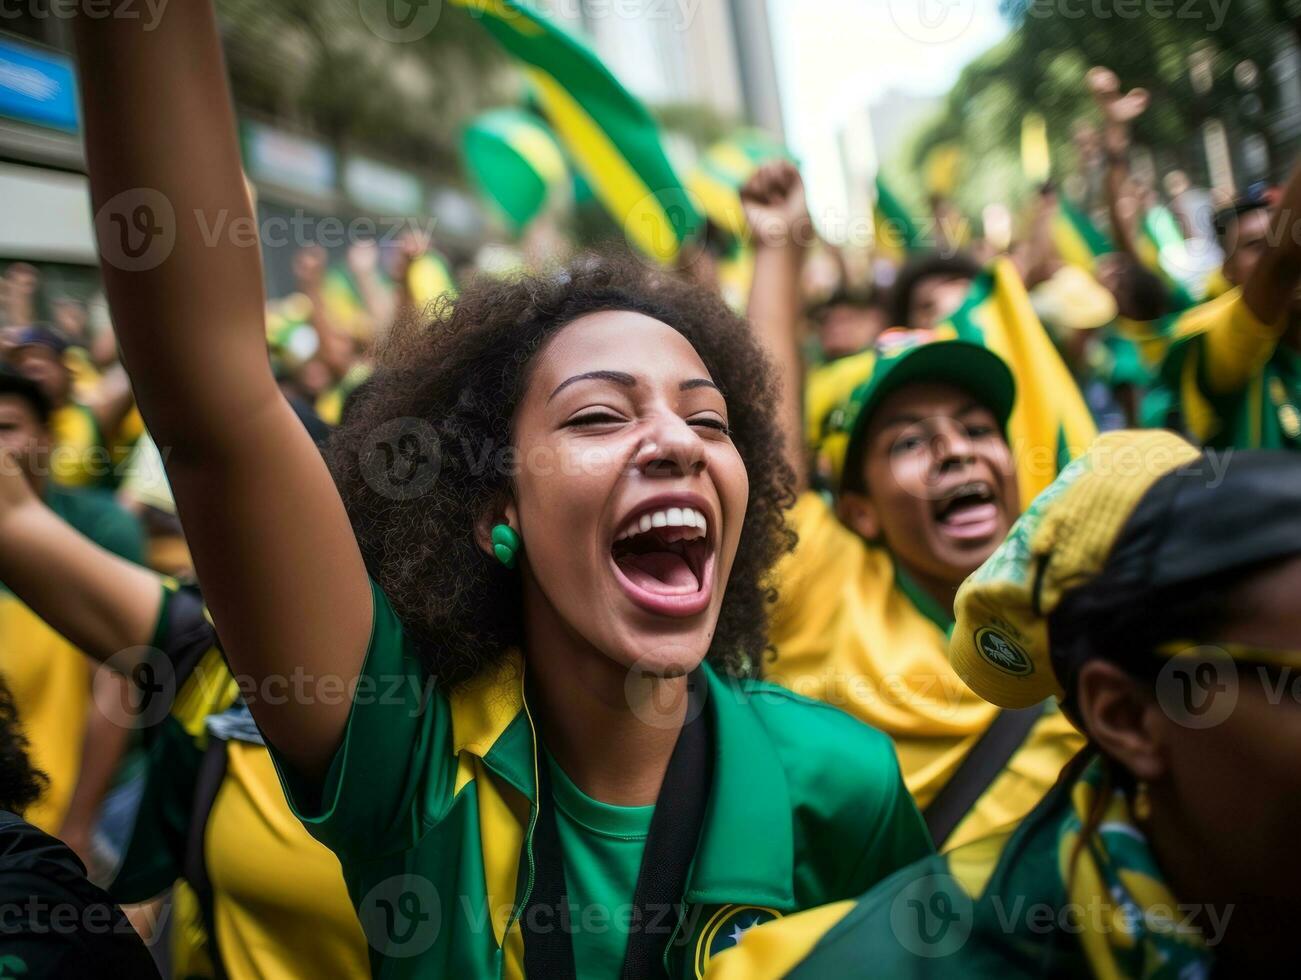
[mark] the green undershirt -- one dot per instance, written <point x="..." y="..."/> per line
<point x="603" y="847"/>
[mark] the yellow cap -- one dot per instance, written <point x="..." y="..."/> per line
<point x="999" y="644"/>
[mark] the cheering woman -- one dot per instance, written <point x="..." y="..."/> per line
<point x="500" y="658"/>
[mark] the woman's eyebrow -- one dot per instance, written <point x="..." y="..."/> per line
<point x="698" y="383"/>
<point x="614" y="377"/>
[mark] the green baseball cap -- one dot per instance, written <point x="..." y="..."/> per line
<point x="907" y="357"/>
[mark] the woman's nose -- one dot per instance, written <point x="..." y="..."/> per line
<point x="672" y="448"/>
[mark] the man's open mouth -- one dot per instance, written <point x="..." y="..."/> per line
<point x="663" y="558"/>
<point x="968" y="511"/>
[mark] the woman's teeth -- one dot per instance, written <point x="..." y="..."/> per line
<point x="686" y="517"/>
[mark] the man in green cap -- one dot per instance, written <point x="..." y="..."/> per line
<point x="926" y="488"/>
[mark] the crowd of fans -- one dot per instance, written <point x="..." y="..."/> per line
<point x="571" y="623"/>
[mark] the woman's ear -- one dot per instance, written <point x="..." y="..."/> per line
<point x="502" y="512"/>
<point x="859" y="513"/>
<point x="1123" y="717"/>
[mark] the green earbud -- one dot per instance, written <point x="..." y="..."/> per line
<point x="506" y="544"/>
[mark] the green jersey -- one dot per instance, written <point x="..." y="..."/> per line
<point x="1056" y="902"/>
<point x="430" y="804"/>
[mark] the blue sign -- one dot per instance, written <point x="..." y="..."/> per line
<point x="37" y="86"/>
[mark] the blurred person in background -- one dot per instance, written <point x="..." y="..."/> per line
<point x="84" y="423"/>
<point x="79" y="738"/>
<point x="848" y="321"/>
<point x="19" y="288"/>
<point x="929" y="288"/>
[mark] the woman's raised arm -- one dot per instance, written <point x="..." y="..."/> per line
<point x="272" y="544"/>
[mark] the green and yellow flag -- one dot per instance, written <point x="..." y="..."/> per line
<point x="1161" y="247"/>
<point x="610" y="136"/>
<point x="514" y="161"/>
<point x="1078" y="240"/>
<point x="722" y="171"/>
<point x="1050" y="424"/>
<point x="895" y="232"/>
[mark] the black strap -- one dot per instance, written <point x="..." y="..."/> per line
<point x="987" y="758"/>
<point x="212" y="773"/>
<point x="662" y="879"/>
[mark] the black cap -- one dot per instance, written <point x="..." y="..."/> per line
<point x="1191" y="527"/>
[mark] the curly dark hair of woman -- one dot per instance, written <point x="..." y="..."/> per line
<point x="21" y="784"/>
<point x="444" y="395"/>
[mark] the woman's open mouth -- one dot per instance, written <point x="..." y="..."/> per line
<point x="663" y="557"/>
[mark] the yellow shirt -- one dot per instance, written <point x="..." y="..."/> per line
<point x="271" y="900"/>
<point x="50" y="681"/>
<point x="280" y="906"/>
<point x="848" y="632"/>
<point x="80" y="457"/>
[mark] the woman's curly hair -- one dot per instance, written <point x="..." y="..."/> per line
<point x="424" y="448"/>
<point x="21" y="784"/>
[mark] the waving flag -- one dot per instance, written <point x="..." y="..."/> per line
<point x="724" y="168"/>
<point x="895" y="232"/>
<point x="610" y="136"/>
<point x="1078" y="240"/>
<point x="515" y="162"/>
<point x="1051" y="423"/>
<point x="1162" y="249"/>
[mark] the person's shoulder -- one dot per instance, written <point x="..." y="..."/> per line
<point x="23" y="845"/>
<point x="56" y="922"/>
<point x="817" y="734"/>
